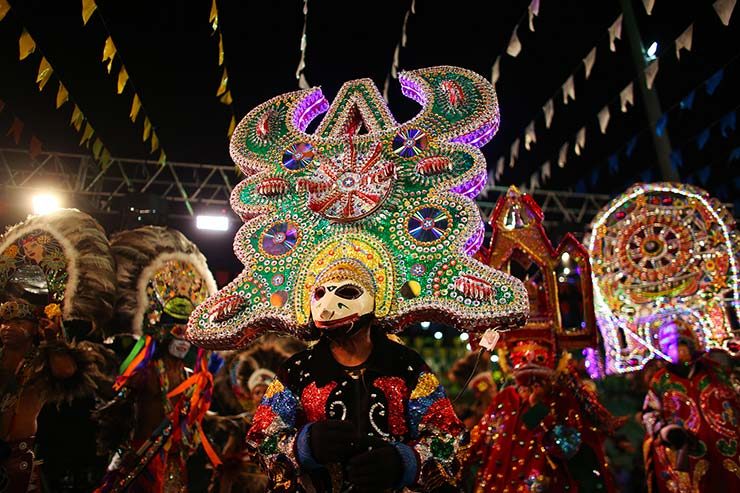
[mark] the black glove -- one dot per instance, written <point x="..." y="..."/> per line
<point x="332" y="440"/>
<point x="380" y="468"/>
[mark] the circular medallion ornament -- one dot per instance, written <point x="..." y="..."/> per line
<point x="428" y="224"/>
<point x="279" y="239"/>
<point x="298" y="156"/>
<point x="409" y="142"/>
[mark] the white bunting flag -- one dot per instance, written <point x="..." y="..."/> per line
<point x="534" y="10"/>
<point x="649" y="4"/>
<point x="549" y="111"/>
<point x="627" y="96"/>
<point x="534" y="181"/>
<point x="589" y="61"/>
<point x="569" y="90"/>
<point x="650" y="72"/>
<point x="495" y="70"/>
<point x="724" y="10"/>
<point x="514" y="154"/>
<point x="529" y="136"/>
<point x="580" y="141"/>
<point x="603" y="119"/>
<point x="545" y="172"/>
<point x="563" y="155"/>
<point x="515" y="47"/>
<point x="615" y="32"/>
<point x="684" y="40"/>
<point x="500" y="168"/>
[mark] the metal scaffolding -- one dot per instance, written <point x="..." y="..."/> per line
<point x="191" y="186"/>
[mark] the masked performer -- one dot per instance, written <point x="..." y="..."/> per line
<point x="351" y="233"/>
<point x="56" y="271"/>
<point x="546" y="432"/>
<point x="666" y="278"/>
<point x="154" y="422"/>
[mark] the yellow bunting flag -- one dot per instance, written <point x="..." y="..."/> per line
<point x="26" y="45"/>
<point x="35" y="147"/>
<point x="232" y="125"/>
<point x="45" y="72"/>
<point x="62" y="95"/>
<point x="226" y="98"/>
<point x="122" y="79"/>
<point x="88" y="7"/>
<point x="97" y="148"/>
<point x="105" y="158"/>
<point x="220" y="50"/>
<point x="77" y="118"/>
<point x="16" y="129"/>
<point x="162" y="158"/>
<point x="109" y="53"/>
<point x="213" y="18"/>
<point x="155" y="142"/>
<point x="147" y="129"/>
<point x="4" y="9"/>
<point x="223" y="85"/>
<point x="87" y="134"/>
<point x="135" y="107"/>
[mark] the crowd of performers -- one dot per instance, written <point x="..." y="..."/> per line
<point x="291" y="377"/>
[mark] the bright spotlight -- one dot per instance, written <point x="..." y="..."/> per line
<point x="212" y="223"/>
<point x="425" y="325"/>
<point x="566" y="271"/>
<point x="464" y="336"/>
<point x="494" y="358"/>
<point x="565" y="257"/>
<point x="44" y="203"/>
<point x="438" y="335"/>
<point x="652" y="50"/>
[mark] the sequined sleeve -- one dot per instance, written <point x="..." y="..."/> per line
<point x="274" y="431"/>
<point x="435" y="430"/>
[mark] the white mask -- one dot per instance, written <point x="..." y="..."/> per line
<point x="178" y="348"/>
<point x="337" y="303"/>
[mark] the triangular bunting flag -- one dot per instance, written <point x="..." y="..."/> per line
<point x="26" y="45"/>
<point x="724" y="10"/>
<point x="534" y="181"/>
<point x="661" y="124"/>
<point x="580" y="140"/>
<point x="495" y="70"/>
<point x="105" y="158"/>
<point x="44" y="74"/>
<point x="594" y="176"/>
<point x="88" y="7"/>
<point x="728" y="124"/>
<point x="515" y="46"/>
<point x="631" y="144"/>
<point x="676" y="158"/>
<point x="704" y="174"/>
<point x="34" y="149"/>
<point x="649" y="4"/>
<point x="394" y="65"/>
<point x="650" y="72"/>
<point x="16" y="130"/>
<point x="122" y="79"/>
<point x="232" y="125"/>
<point x="603" y="117"/>
<point x="589" y="61"/>
<point x="77" y="118"/>
<point x="162" y="158"/>
<point x="627" y="96"/>
<point x="97" y="148"/>
<point x="135" y="107"/>
<point x="702" y="139"/>
<point x="734" y="156"/>
<point x="613" y="164"/>
<point x="220" y="50"/>
<point x="684" y="40"/>
<point x="569" y="90"/>
<point x="109" y="53"/>
<point x="514" y="153"/>
<point x="615" y="32"/>
<point x="87" y="134"/>
<point x="688" y="102"/>
<point x="223" y="85"/>
<point x="154" y="142"/>
<point x="4" y="9"/>
<point x="549" y="111"/>
<point x="534" y="11"/>
<point x="62" y="95"/>
<point x="147" y="129"/>
<point x="226" y="98"/>
<point x="529" y="135"/>
<point x="713" y="82"/>
<point x="213" y="17"/>
<point x="563" y="155"/>
<point x="546" y="170"/>
<point x="500" y="167"/>
<point x="303" y="82"/>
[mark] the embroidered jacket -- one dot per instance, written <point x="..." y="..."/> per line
<point x="394" y="397"/>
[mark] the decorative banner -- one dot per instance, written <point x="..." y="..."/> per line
<point x="684" y="40"/>
<point x="713" y="82"/>
<point x="549" y="111"/>
<point x="45" y="72"/>
<point x="650" y="72"/>
<point x="676" y="158"/>
<point x="223" y="92"/>
<point x="26" y="45"/>
<point x="529" y="136"/>
<point x="87" y="135"/>
<point x="631" y="144"/>
<point x="62" y="95"/>
<point x="563" y="155"/>
<point x="534" y="181"/>
<point x="534" y="10"/>
<point x="495" y="70"/>
<point x="734" y="156"/>
<point x="500" y="167"/>
<point x="135" y="107"/>
<point x="615" y="32"/>
<point x="16" y="129"/>
<point x="35" y="147"/>
<point x="661" y="124"/>
<point x="304" y="43"/>
<point x="627" y="96"/>
<point x="688" y="101"/>
<point x="4" y="9"/>
<point x="515" y="46"/>
<point x="589" y="61"/>
<point x="88" y="7"/>
<point x="613" y="164"/>
<point x="546" y="170"/>
<point x="122" y="79"/>
<point x="569" y="90"/>
<point x="514" y="153"/>
<point x="649" y="4"/>
<point x="109" y="53"/>
<point x="702" y="139"/>
<point x="728" y="124"/>
<point x="580" y="140"/>
<point x="603" y="117"/>
<point x="724" y="10"/>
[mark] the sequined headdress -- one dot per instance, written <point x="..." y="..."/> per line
<point x="662" y="253"/>
<point x="396" y="197"/>
<point x="162" y="277"/>
<point x="61" y="263"/>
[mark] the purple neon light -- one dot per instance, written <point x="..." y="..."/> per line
<point x="309" y="108"/>
<point x="472" y="188"/>
<point x="481" y="136"/>
<point x="472" y="245"/>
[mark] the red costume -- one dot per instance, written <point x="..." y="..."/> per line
<point x="545" y="433"/>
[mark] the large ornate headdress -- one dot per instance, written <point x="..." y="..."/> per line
<point x="162" y="277"/>
<point x="663" y="253"/>
<point x="60" y="262"/>
<point x="557" y="280"/>
<point x="397" y="198"/>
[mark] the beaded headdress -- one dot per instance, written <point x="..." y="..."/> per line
<point x="162" y="277"/>
<point x="396" y="197"/>
<point x="61" y="263"/>
<point x="663" y="253"/>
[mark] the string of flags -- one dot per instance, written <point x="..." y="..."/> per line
<point x="299" y="73"/>
<point x="223" y="93"/>
<point x="110" y="54"/>
<point x="395" y="64"/>
<point x="15" y="131"/>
